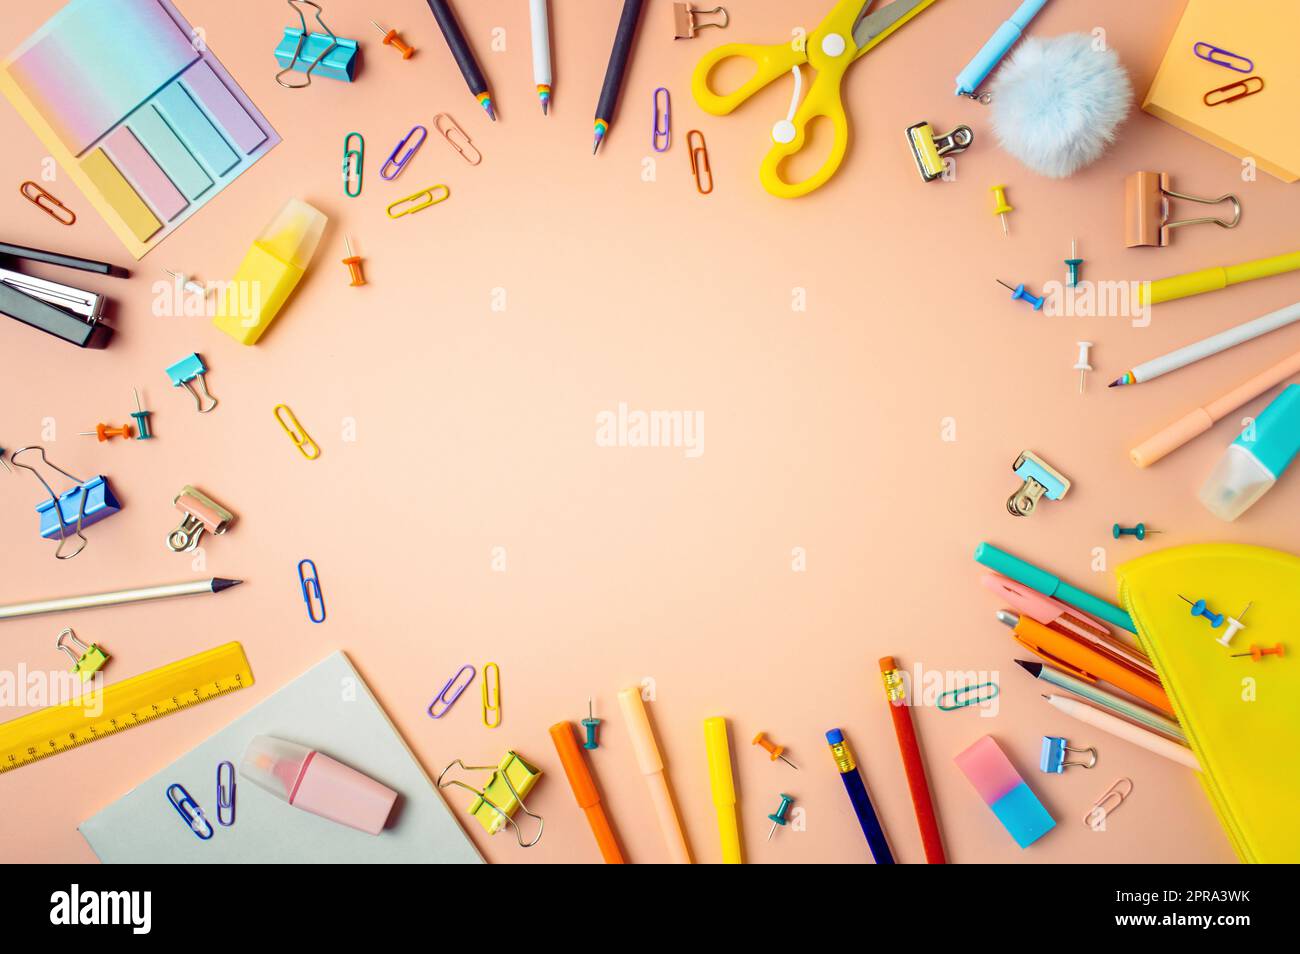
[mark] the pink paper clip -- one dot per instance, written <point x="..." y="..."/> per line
<point x="400" y="164"/>
<point x="453" y="683"/>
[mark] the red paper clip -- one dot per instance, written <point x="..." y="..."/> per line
<point x="47" y="203"/>
<point x="1244" y="86"/>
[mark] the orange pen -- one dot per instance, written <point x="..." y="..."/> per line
<point x="1086" y="660"/>
<point x="584" y="790"/>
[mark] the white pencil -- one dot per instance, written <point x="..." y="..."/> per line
<point x="1126" y="731"/>
<point x="541" y="51"/>
<point x="1209" y="346"/>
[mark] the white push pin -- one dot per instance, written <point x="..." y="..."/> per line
<point x="1234" y="627"/>
<point x="1082" y="365"/>
<point x="189" y="284"/>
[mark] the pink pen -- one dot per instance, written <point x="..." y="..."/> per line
<point x="1063" y="618"/>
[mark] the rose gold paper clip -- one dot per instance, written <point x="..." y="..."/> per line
<point x="457" y="138"/>
<point x="47" y="203"/>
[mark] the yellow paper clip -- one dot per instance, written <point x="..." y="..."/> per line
<point x="297" y="433"/>
<point x="430" y="192"/>
<point x="492" y="696"/>
<point x="47" y="203"/>
<point x="497" y="802"/>
<point x="457" y="138"/>
<point x="700" y="167"/>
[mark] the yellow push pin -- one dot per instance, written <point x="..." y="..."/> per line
<point x="1000" y="205"/>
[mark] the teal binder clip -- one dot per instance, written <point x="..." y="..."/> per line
<point x="325" y="53"/>
<point x="68" y="513"/>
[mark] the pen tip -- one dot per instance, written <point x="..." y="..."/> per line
<point x="487" y="107"/>
<point x="219" y="584"/>
<point x="546" y="111"/>
<point x="1032" y="668"/>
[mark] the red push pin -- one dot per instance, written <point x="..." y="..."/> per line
<point x="773" y="750"/>
<point x="1259" y="652"/>
<point x="107" y="432"/>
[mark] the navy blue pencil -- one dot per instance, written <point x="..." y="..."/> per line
<point x="857" y="790"/>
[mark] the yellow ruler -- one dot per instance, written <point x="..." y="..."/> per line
<point x="123" y="705"/>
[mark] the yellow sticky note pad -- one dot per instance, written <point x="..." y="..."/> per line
<point x="129" y="207"/>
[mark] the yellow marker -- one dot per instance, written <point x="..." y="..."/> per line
<point x="1214" y="279"/>
<point x="1000" y="205"/>
<point x="723" y="788"/>
<point x="270" y="272"/>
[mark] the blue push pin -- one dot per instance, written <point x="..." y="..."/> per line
<point x="778" y="816"/>
<point x="590" y="724"/>
<point x="1019" y="293"/>
<point x="1199" y="608"/>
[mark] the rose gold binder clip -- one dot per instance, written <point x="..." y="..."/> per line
<point x="457" y="138"/>
<point x="700" y="168"/>
<point x="686" y="24"/>
<point x="47" y="203"/>
<point x="1146" y="210"/>
<point x="1234" y="91"/>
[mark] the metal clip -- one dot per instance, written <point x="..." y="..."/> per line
<point x="1208" y="52"/>
<point x="226" y="795"/>
<point x="452" y="683"/>
<point x="353" y="161"/>
<point x="662" y="128"/>
<point x="1146" y="210"/>
<point x="928" y="149"/>
<point x="457" y="138"/>
<point x="433" y="198"/>
<point x="310" y="586"/>
<point x="685" y="25"/>
<point x="201" y="513"/>
<point x="1108" y="803"/>
<point x="189" y="811"/>
<point x="1239" y="90"/>
<point x="1052" y="757"/>
<point x="964" y="696"/>
<point x="492" y="696"/>
<point x="1040" y="479"/>
<point x="47" y="203"/>
<point x="302" y="38"/>
<point x="700" y="168"/>
<point x="497" y="816"/>
<point x="297" y="433"/>
<point x="400" y="164"/>
<point x="86" y="660"/>
<point x="185" y="372"/>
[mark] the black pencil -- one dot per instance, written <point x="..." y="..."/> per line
<point x="618" y="58"/>
<point x="464" y="55"/>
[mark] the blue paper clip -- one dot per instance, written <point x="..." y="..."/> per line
<point x="353" y="160"/>
<point x="400" y="164"/>
<point x="964" y="696"/>
<point x="87" y="502"/>
<point x="226" y="795"/>
<point x="185" y="372"/>
<point x="189" y="811"/>
<point x="1052" y="757"/>
<point x="311" y="587"/>
<point x="452" y="683"/>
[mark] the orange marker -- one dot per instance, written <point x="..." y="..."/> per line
<point x="353" y="262"/>
<point x="107" y="431"/>
<point x="584" y="790"/>
<point x="392" y="39"/>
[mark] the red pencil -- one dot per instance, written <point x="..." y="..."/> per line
<point x="910" y="751"/>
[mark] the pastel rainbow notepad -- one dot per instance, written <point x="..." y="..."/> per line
<point x="137" y="111"/>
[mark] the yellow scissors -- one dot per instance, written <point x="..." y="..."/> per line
<point x="846" y="34"/>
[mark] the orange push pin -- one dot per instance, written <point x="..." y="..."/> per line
<point x="1259" y="652"/>
<point x="392" y="39"/>
<point x="773" y="750"/>
<point x="353" y="262"/>
<point x="107" y="431"/>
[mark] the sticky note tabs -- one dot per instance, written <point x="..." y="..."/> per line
<point x="117" y="192"/>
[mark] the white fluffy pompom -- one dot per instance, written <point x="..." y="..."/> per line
<point x="1057" y="103"/>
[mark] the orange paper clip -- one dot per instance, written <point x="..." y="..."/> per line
<point x="1238" y="90"/>
<point x="700" y="168"/>
<point x="47" y="203"/>
<point x="457" y="138"/>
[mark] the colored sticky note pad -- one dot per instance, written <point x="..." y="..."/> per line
<point x="1005" y="792"/>
<point x="226" y="111"/>
<point x="145" y="175"/>
<point x="117" y="192"/>
<point x="193" y="126"/>
<point x="169" y="152"/>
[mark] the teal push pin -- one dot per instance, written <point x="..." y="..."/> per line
<point x="1073" y="263"/>
<point x="591" y="723"/>
<point x="142" y="431"/>
<point x="1020" y="293"/>
<point x="778" y="817"/>
<point x="1199" y="608"/>
<point x="1140" y="531"/>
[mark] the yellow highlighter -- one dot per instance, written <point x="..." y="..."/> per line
<point x="724" y="788"/>
<point x="270" y="272"/>
<point x="1214" y="279"/>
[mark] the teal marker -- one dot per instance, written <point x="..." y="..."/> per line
<point x="1031" y="576"/>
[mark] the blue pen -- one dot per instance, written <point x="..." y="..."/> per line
<point x="969" y="79"/>
<point x="853" y="784"/>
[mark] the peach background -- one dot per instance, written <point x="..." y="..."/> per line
<point x="475" y="428"/>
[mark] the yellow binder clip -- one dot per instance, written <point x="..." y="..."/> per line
<point x="297" y="433"/>
<point x="502" y="797"/>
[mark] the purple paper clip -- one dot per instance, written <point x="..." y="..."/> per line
<point x="451" y="684"/>
<point x="1210" y="55"/>
<point x="664" y="134"/>
<point x="400" y="164"/>
<point x="189" y="811"/>
<point x="226" y="795"/>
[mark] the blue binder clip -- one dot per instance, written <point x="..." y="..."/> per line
<point x="1052" y="758"/>
<point x="86" y="502"/>
<point x="185" y="372"/>
<point x="1040" y="480"/>
<point x="324" y="53"/>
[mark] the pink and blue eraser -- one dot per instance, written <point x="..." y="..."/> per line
<point x="1005" y="792"/>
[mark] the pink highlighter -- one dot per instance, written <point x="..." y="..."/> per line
<point x="316" y="783"/>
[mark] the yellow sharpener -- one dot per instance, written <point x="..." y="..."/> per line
<point x="928" y="150"/>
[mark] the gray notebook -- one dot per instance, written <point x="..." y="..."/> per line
<point x="328" y="708"/>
